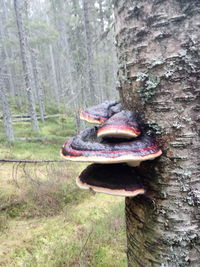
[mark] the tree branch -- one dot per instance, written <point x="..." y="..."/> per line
<point x="29" y="161"/>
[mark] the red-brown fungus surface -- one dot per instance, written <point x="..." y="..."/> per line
<point x="100" y="113"/>
<point x="123" y="124"/>
<point x="88" y="147"/>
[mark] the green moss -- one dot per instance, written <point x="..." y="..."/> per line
<point x="15" y="210"/>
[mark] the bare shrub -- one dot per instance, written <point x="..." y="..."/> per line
<point x="42" y="189"/>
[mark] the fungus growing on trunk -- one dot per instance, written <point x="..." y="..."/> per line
<point x="88" y="147"/>
<point x="123" y="124"/>
<point x="118" y="140"/>
<point x="100" y="113"/>
<point x="118" y="179"/>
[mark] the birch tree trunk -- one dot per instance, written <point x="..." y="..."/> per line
<point x="5" y="32"/>
<point x="88" y="42"/>
<point x="37" y="84"/>
<point x="55" y="83"/>
<point x="24" y="57"/>
<point x="101" y="15"/>
<point x="6" y="112"/>
<point x="104" y="50"/>
<point x="57" y="49"/>
<point x="158" y="46"/>
<point x="4" y="38"/>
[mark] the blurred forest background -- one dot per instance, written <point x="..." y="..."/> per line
<point x="56" y="57"/>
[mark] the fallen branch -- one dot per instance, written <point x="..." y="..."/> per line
<point x="86" y="241"/>
<point x="25" y="117"/>
<point x="18" y="116"/>
<point x="41" y="139"/>
<point x="29" y="161"/>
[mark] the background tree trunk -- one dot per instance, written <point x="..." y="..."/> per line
<point x="7" y="122"/>
<point x="24" y="58"/>
<point x="89" y="52"/>
<point x="158" y="46"/>
<point x="55" y="83"/>
<point x="3" y="38"/>
<point x="37" y="82"/>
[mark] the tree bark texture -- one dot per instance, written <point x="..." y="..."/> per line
<point x="24" y="57"/>
<point x="37" y="82"/>
<point x="89" y="53"/>
<point x="55" y="82"/>
<point x="101" y="15"/>
<point x="158" y="45"/>
<point x="3" y="38"/>
<point x="7" y="122"/>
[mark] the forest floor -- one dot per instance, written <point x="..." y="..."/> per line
<point x="45" y="219"/>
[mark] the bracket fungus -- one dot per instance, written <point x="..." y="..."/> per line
<point x="123" y="124"/>
<point x="100" y="113"/>
<point x="86" y="146"/>
<point x="118" y="140"/>
<point x="121" y="180"/>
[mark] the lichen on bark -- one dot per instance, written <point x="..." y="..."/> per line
<point x="158" y="44"/>
<point x="148" y="86"/>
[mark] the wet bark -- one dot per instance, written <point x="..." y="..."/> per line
<point x="158" y="46"/>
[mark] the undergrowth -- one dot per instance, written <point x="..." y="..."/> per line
<point x="52" y="135"/>
<point x="45" y="219"/>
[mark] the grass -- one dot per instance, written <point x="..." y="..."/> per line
<point x="64" y="240"/>
<point x="45" y="219"/>
<point x="54" y="132"/>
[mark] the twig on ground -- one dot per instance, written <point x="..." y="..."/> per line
<point x="14" y="173"/>
<point x="86" y="241"/>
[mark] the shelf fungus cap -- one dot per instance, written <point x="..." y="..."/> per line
<point x="121" y="125"/>
<point x="121" y="180"/>
<point x="89" y="148"/>
<point x="100" y="113"/>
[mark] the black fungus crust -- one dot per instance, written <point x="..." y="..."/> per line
<point x="120" y="176"/>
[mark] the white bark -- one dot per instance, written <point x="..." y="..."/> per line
<point x="37" y="84"/>
<point x="55" y="83"/>
<point x="89" y="65"/>
<point x="24" y="56"/>
<point x="158" y="46"/>
<point x="4" y="38"/>
<point x="6" y="112"/>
